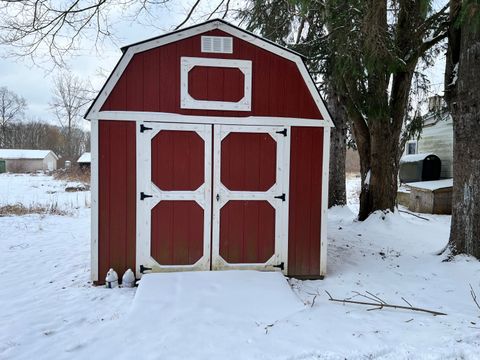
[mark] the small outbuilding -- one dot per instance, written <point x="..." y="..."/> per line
<point x="419" y="167"/>
<point x="84" y="161"/>
<point x="25" y="161"/>
<point x="431" y="197"/>
<point x="210" y="151"/>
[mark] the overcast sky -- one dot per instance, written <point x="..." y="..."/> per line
<point x="35" y="83"/>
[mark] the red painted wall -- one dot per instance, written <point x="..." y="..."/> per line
<point x="306" y="158"/>
<point x="116" y="197"/>
<point x="151" y="82"/>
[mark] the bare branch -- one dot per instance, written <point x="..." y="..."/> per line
<point x="189" y="15"/>
<point x="377" y="305"/>
<point x="474" y="296"/>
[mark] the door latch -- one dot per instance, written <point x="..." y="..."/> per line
<point x="283" y="132"/>
<point x="143" y="128"/>
<point x="143" y="196"/>
<point x="218" y="197"/>
<point x="143" y="269"/>
<point x="281" y="197"/>
<point x="280" y="266"/>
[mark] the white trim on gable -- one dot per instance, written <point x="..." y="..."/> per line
<point x="93" y="113"/>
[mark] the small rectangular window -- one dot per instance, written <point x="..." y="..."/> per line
<point x="217" y="44"/>
<point x="412" y="148"/>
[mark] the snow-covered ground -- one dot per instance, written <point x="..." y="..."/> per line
<point x="49" y="309"/>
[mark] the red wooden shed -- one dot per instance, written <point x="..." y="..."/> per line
<point x="210" y="150"/>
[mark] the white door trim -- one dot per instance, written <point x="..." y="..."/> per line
<point x="202" y="196"/>
<point x="280" y="187"/>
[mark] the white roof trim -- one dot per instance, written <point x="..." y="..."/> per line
<point x="93" y="113"/>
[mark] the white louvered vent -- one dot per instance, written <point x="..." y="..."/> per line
<point x="217" y="44"/>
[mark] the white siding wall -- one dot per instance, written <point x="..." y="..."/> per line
<point x="438" y="139"/>
<point x="31" y="165"/>
<point x="50" y="163"/>
<point x="24" y="165"/>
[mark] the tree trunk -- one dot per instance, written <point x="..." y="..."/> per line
<point x="464" y="101"/>
<point x="338" y="152"/>
<point x="378" y="174"/>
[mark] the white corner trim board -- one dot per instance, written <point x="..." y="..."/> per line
<point x="324" y="205"/>
<point x="188" y="102"/>
<point x="94" y="201"/>
<point x="197" y="30"/>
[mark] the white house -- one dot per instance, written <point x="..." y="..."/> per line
<point x="436" y="137"/>
<point x="21" y="160"/>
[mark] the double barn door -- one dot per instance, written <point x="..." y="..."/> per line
<point x="211" y="197"/>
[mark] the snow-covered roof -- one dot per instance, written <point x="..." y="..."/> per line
<point x="85" y="158"/>
<point x="17" y="154"/>
<point x="432" y="185"/>
<point x="414" y="157"/>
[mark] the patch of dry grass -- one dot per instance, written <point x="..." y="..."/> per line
<point x="20" y="210"/>
<point x="73" y="174"/>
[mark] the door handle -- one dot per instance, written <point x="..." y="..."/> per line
<point x="218" y="197"/>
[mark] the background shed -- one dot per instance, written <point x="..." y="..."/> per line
<point x="21" y="160"/>
<point x="419" y="167"/>
<point x="84" y="161"/>
<point x="431" y="197"/>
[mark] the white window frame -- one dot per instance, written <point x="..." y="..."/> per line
<point x="188" y="102"/>
<point x="407" y="147"/>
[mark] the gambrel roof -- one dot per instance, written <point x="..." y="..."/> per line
<point x="139" y="47"/>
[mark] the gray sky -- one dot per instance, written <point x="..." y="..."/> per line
<point x="35" y="83"/>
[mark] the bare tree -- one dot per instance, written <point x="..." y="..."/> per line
<point x="70" y="96"/>
<point x="12" y="108"/>
<point x="58" y="27"/>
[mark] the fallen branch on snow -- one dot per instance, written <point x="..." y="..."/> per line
<point x="410" y="213"/>
<point x="474" y="296"/>
<point x="380" y="304"/>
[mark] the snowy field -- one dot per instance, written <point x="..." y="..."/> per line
<point x="50" y="310"/>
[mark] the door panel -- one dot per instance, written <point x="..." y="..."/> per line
<point x="247" y="231"/>
<point x="174" y="196"/>
<point x="178" y="159"/>
<point x="250" y="204"/>
<point x="177" y="232"/>
<point x="248" y="161"/>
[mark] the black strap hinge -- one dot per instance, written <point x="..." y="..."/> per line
<point x="143" y="128"/>
<point x="281" y="266"/>
<point x="143" y="196"/>
<point x="143" y="269"/>
<point x="283" y="132"/>
<point x="282" y="197"/>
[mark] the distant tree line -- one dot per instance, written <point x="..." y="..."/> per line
<point x="37" y="134"/>
<point x="68" y="142"/>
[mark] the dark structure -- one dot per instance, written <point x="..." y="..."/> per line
<point x="419" y="167"/>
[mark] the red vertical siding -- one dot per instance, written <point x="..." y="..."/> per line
<point x="177" y="232"/>
<point x="248" y="161"/>
<point x="116" y="197"/>
<point x="306" y="158"/>
<point x="247" y="231"/>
